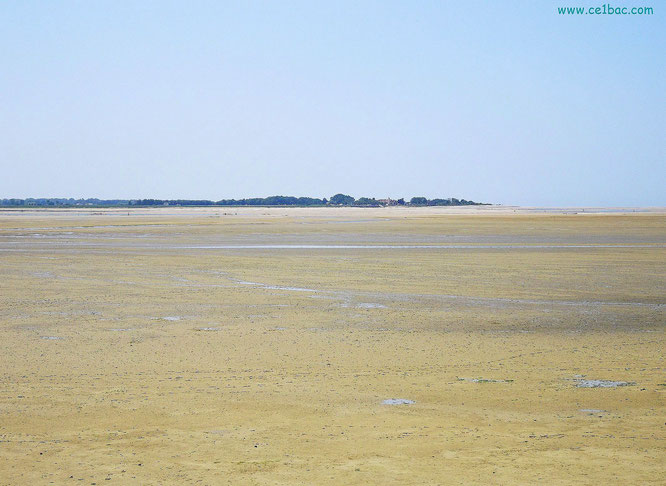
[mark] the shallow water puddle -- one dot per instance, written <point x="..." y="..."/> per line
<point x="275" y="287"/>
<point x="484" y="380"/>
<point x="580" y="383"/>
<point x="397" y="401"/>
<point x="42" y="274"/>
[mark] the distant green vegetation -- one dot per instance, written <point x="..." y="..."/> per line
<point x="336" y="200"/>
<point x="342" y="200"/>
<point x="452" y="201"/>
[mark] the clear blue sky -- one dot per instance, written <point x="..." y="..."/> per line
<point x="498" y="101"/>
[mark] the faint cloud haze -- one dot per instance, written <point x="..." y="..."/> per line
<point x="503" y="102"/>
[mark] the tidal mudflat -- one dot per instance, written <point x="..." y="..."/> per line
<point x="332" y="346"/>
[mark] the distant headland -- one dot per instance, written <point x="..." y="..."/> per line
<point x="336" y="200"/>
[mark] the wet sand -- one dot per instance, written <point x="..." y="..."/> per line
<point x="268" y="346"/>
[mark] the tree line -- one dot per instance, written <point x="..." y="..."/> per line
<point x="336" y="200"/>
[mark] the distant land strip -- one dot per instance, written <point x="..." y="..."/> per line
<point x="337" y="200"/>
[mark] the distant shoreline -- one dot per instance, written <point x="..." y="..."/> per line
<point x="338" y="200"/>
<point x="335" y="211"/>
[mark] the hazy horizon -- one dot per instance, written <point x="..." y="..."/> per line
<point x="407" y="199"/>
<point x="505" y="103"/>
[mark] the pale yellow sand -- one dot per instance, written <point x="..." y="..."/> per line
<point x="129" y="353"/>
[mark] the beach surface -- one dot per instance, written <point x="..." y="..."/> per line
<point x="280" y="346"/>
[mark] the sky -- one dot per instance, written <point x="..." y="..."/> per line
<point x="500" y="101"/>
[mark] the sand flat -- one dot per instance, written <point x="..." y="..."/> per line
<point x="489" y="338"/>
